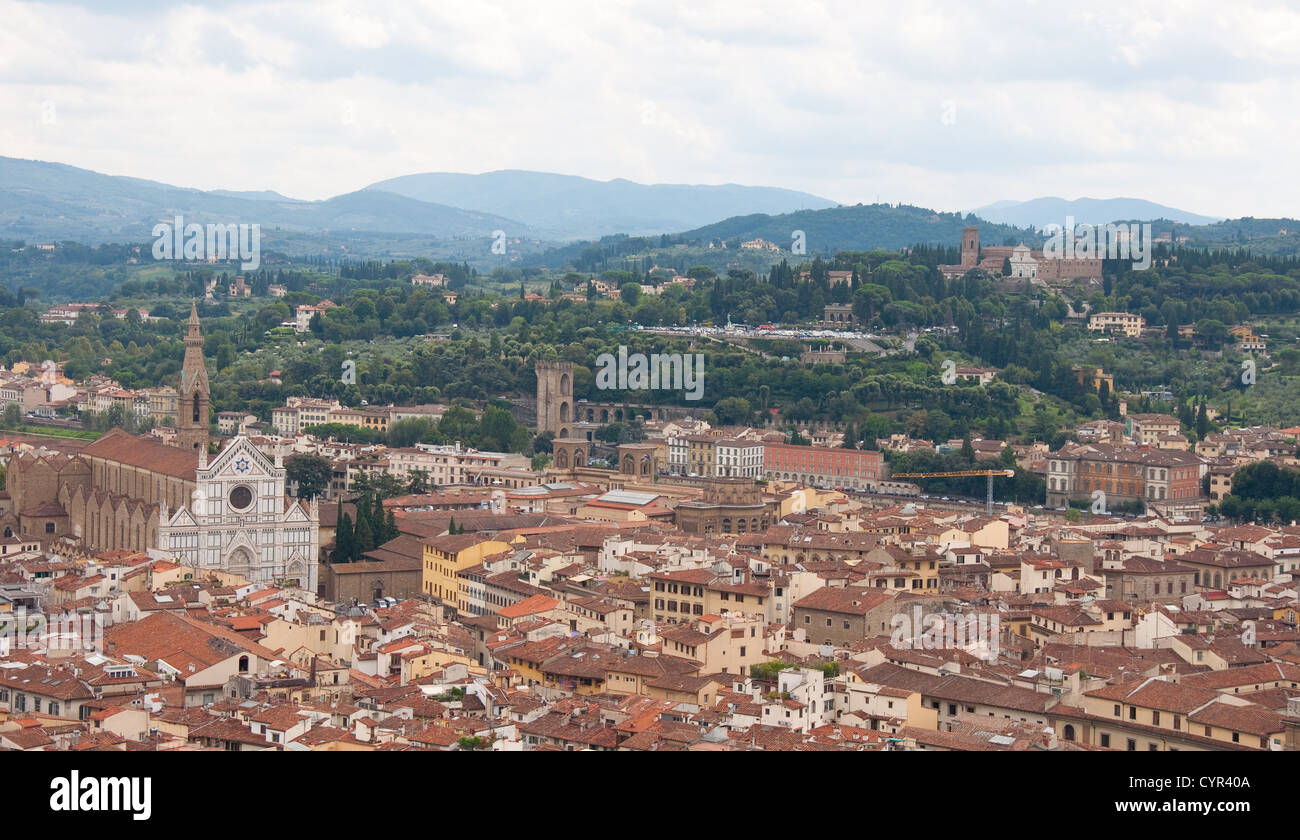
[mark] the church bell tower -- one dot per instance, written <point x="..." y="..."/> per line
<point x="193" y="402"/>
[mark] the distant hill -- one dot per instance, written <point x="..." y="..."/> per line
<point x="858" y="228"/>
<point x="1040" y="212"/>
<point x="41" y="202"/>
<point x="54" y="201"/>
<point x="1266" y="237"/>
<point x="570" y="207"/>
<point x="255" y="195"/>
<point x="892" y="227"/>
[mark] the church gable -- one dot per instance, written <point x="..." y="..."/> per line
<point x="182" y="519"/>
<point x="240" y="459"/>
<point x="242" y="539"/>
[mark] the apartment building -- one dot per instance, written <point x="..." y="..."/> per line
<point x="686" y="595"/>
<point x="1148" y="429"/>
<point x="855" y="469"/>
<point x="303" y="314"/>
<point x="161" y="403"/>
<point x="840" y="616"/>
<point x="448" y="555"/>
<point x="1117" y="322"/>
<point x="1156" y="715"/>
<point x="363" y="418"/>
<point x="729" y="644"/>
<point x="1248" y="341"/>
<point x="452" y="463"/>
<point x="736" y="458"/>
<point x="300" y="412"/>
<point x="1164" y="481"/>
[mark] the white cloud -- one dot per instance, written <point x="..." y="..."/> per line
<point x="1193" y="106"/>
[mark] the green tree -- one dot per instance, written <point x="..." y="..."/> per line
<point x="365" y="536"/>
<point x="497" y="431"/>
<point x="409" y="431"/>
<point x="418" y="482"/>
<point x="344" y="539"/>
<point x="734" y="411"/>
<point x="379" y="521"/>
<point x="390" y="527"/>
<point x="310" y="473"/>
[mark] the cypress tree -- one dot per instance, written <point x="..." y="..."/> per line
<point x="365" y="539"/>
<point x="377" y="520"/>
<point x="344" y="540"/>
<point x="363" y="515"/>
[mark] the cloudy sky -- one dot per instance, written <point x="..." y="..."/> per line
<point x="945" y="105"/>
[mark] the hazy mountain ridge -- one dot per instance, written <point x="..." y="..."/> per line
<point x="1043" y="211"/>
<point x="860" y="227"/>
<point x="41" y="200"/>
<point x="569" y="206"/>
<point x="866" y="226"/>
<point x="55" y="202"/>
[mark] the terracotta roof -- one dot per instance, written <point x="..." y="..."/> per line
<point x="124" y="448"/>
<point x="853" y="600"/>
<point x="180" y="640"/>
<point x="1158" y="694"/>
<point x="45" y="681"/>
<point x="529" y="606"/>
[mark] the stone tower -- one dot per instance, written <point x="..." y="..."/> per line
<point x="193" y="403"/>
<point x="554" y="398"/>
<point x="970" y="247"/>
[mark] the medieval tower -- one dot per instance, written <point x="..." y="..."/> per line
<point x="193" y="402"/>
<point x="554" y="398"/>
<point x="970" y="247"/>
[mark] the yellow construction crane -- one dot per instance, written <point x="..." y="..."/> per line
<point x="964" y="474"/>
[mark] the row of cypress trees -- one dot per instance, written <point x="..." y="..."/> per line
<point x="373" y="527"/>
